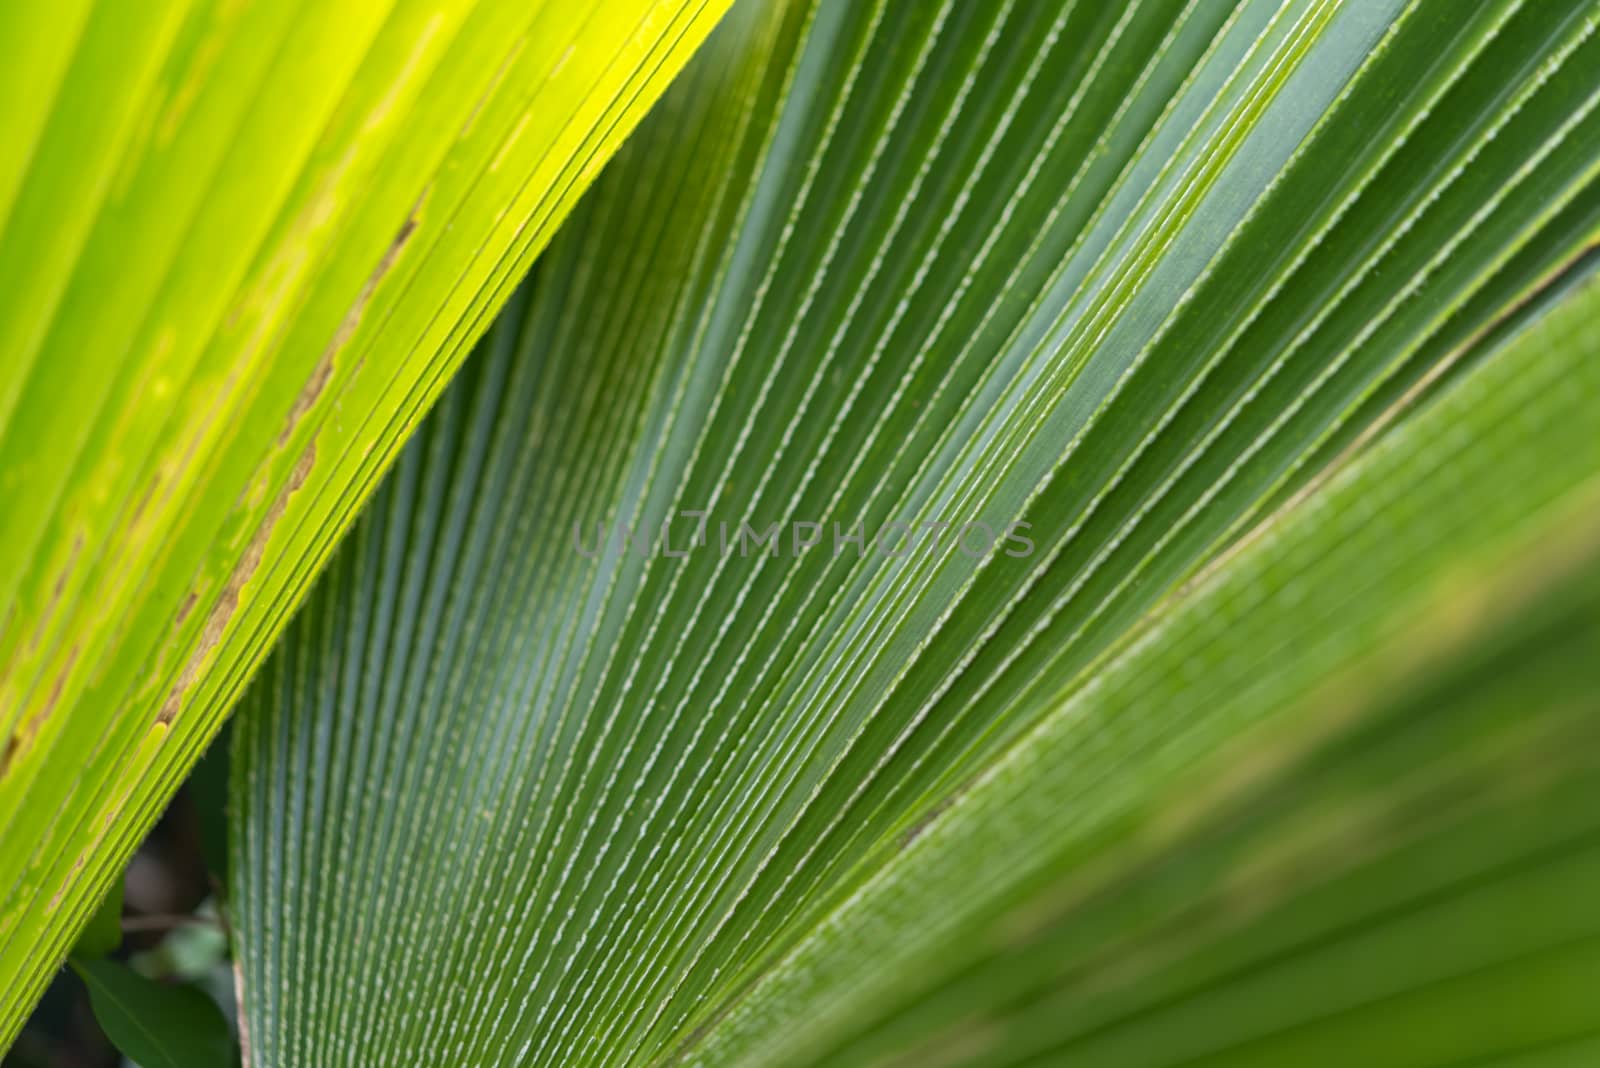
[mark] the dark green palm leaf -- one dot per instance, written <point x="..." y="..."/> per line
<point x="1137" y="276"/>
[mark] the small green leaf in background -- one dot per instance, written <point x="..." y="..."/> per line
<point x="156" y="1024"/>
<point x="104" y="931"/>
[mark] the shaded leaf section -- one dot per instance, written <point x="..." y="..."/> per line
<point x="1336" y="800"/>
<point x="157" y="1025"/>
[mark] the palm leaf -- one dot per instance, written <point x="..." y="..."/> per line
<point x="1336" y="801"/>
<point x="242" y="246"/>
<point x="1138" y="276"/>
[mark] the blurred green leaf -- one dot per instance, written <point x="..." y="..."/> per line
<point x="157" y="1025"/>
<point x="188" y="951"/>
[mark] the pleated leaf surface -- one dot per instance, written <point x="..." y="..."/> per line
<point x="518" y="790"/>
<point x="1336" y="803"/>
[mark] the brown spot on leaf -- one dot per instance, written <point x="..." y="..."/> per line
<point x="61" y="891"/>
<point x="312" y="390"/>
<point x="31" y="726"/>
<point x="57" y="590"/>
<point x="60" y="684"/>
<point x="144" y="499"/>
<point x="318" y="382"/>
<point x="34" y="722"/>
<point x="228" y="601"/>
<point x="926" y="820"/>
